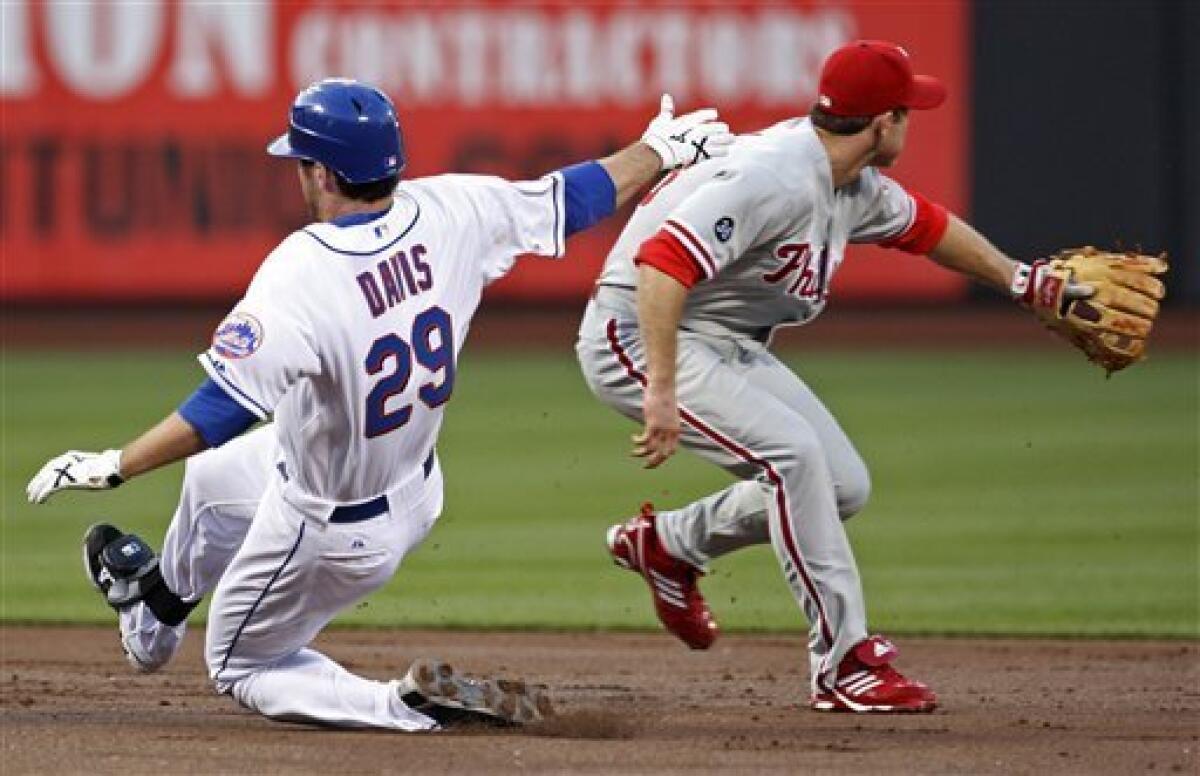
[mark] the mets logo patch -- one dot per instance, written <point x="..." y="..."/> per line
<point x="723" y="229"/>
<point x="238" y="336"/>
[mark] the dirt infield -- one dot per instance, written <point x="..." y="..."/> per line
<point x="628" y="704"/>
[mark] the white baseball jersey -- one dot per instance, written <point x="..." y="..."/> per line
<point x="765" y="227"/>
<point x="349" y="334"/>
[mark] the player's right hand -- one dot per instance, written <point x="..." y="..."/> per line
<point x="684" y="140"/>
<point x="660" y="437"/>
<point x="76" y="470"/>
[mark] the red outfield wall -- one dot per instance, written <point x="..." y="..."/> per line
<point x="131" y="155"/>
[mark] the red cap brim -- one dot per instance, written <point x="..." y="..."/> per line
<point x="927" y="92"/>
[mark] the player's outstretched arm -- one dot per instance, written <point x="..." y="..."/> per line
<point x="536" y="217"/>
<point x="670" y="142"/>
<point x="171" y="440"/>
<point x="631" y="169"/>
<point x="1103" y="302"/>
<point x="208" y="418"/>
<point x="965" y="250"/>
<point x="594" y="190"/>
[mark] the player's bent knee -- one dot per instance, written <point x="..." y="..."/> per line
<point x="851" y="499"/>
<point x="225" y="670"/>
<point x="853" y="491"/>
<point x="215" y="652"/>
<point x="221" y="683"/>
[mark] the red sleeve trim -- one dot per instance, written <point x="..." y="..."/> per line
<point x="666" y="254"/>
<point x="929" y="224"/>
<point x="688" y="239"/>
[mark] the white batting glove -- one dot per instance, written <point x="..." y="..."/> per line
<point x="76" y="470"/>
<point x="1029" y="285"/>
<point x="682" y="141"/>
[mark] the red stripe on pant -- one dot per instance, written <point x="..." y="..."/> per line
<point x="785" y="528"/>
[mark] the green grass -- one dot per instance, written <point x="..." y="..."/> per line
<point x="1014" y="493"/>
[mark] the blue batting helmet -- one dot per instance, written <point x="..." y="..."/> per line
<point x="347" y="126"/>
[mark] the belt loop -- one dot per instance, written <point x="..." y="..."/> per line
<point x="356" y="513"/>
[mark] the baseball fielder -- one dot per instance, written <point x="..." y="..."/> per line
<point x="711" y="263"/>
<point x="347" y="340"/>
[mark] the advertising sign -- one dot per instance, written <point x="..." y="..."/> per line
<point x="132" y="162"/>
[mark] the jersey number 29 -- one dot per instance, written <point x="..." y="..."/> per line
<point x="436" y="357"/>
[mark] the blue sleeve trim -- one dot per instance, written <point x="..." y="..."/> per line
<point x="214" y="370"/>
<point x="589" y="195"/>
<point x="215" y="415"/>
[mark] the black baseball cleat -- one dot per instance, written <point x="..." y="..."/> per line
<point x="120" y="565"/>
<point x="95" y="540"/>
<point x="436" y="689"/>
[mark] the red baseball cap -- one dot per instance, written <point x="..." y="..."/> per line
<point x="869" y="77"/>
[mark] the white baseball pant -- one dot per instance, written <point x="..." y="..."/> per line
<point x="278" y="576"/>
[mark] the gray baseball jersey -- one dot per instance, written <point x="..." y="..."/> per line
<point x="765" y="228"/>
<point x="757" y="237"/>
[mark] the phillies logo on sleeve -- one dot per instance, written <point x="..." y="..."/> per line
<point x="238" y="336"/>
<point x="723" y="229"/>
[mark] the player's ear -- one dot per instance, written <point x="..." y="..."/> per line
<point x="880" y="124"/>
<point x="325" y="179"/>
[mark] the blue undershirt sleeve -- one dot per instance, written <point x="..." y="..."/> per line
<point x="589" y="195"/>
<point x="216" y="417"/>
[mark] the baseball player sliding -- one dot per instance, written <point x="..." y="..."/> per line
<point x="714" y="259"/>
<point x="348" y="337"/>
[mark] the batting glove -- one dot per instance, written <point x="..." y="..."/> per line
<point x="1034" y="285"/>
<point x="682" y="141"/>
<point x="76" y="470"/>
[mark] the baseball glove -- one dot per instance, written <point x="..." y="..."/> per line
<point x="1102" y="302"/>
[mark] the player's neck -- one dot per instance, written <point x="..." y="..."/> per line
<point x="332" y="208"/>
<point x="848" y="156"/>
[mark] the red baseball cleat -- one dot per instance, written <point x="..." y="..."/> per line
<point x="634" y="545"/>
<point x="866" y="682"/>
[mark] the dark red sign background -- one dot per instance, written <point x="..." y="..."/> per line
<point x="157" y="187"/>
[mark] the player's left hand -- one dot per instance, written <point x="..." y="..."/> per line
<point x="1037" y="286"/>
<point x="681" y="141"/>
<point x="76" y="470"/>
<point x="1103" y="302"/>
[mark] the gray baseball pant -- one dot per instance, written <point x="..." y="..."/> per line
<point x="747" y="412"/>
